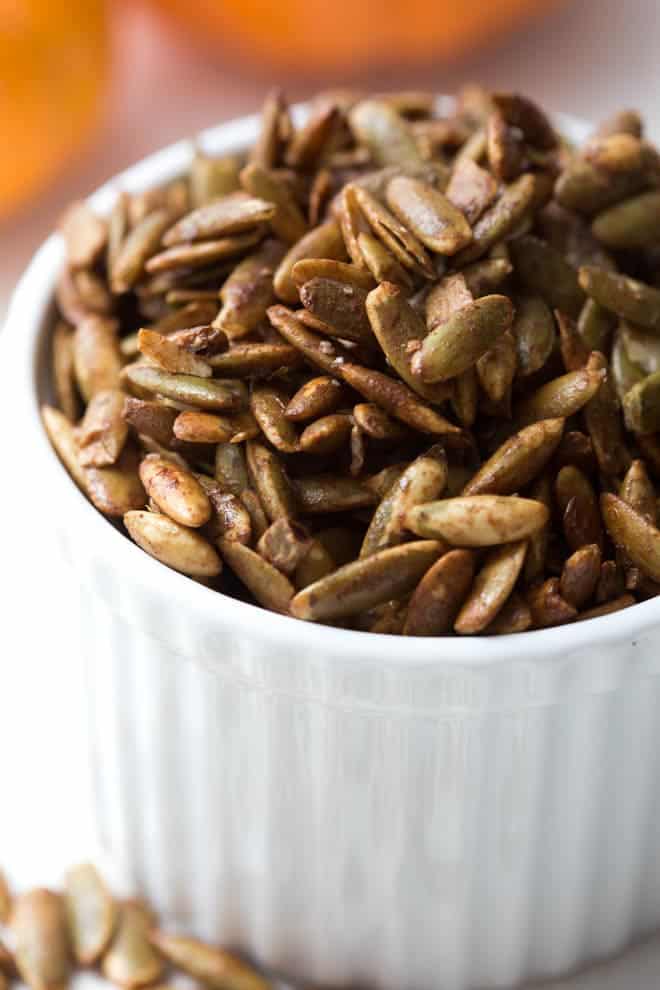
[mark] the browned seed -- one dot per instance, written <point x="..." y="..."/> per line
<point x="327" y="434"/>
<point x="537" y="551"/>
<point x="522" y="113"/>
<point x="91" y="913"/>
<point x="324" y="241"/>
<point x="268" y="585"/>
<point x="471" y="189"/>
<point x="578" y="504"/>
<point x="381" y="482"/>
<point x="574" y="351"/>
<point x="103" y="430"/>
<point x="270" y="481"/>
<point x="316" y="563"/>
<point x="319" y="194"/>
<point x="544" y="271"/>
<point x="202" y="254"/>
<point x="285" y="544"/>
<point x="547" y="606"/>
<point x="85" y="235"/>
<point x="365" y="583"/>
<point x="136" y="248"/>
<point x="445" y="298"/>
<point x="459" y="342"/>
<point x="602" y="416"/>
<point x="258" y="520"/>
<point x="255" y="360"/>
<point x="465" y="396"/>
<point x="496" y="369"/>
<point x="328" y="268"/>
<point x="377" y="424"/>
<point x="231" y="519"/>
<point x="131" y="961"/>
<point x="316" y="398"/>
<point x="399" y="330"/>
<point x="41" y="940"/>
<point x="60" y="431"/>
<point x="615" y="605"/>
<point x="576" y="448"/>
<point x="328" y="355"/>
<point x="478" y="520"/>
<point x="439" y="595"/>
<point x="311" y="142"/>
<point x="177" y="546"/>
<point x="382" y="265"/>
<point x="212" y="176"/>
<point x="266" y="149"/>
<point x="268" y="404"/>
<point x="638" y="491"/>
<point x="5" y="903"/>
<point x="611" y="582"/>
<point x="377" y="125"/>
<point x="580" y="574"/>
<point x="205" y="341"/>
<point x="231" y="467"/>
<point x="396" y="399"/>
<point x="403" y="244"/>
<point x="341" y="307"/>
<point x="175" y="491"/>
<point x="422" y="481"/>
<point x="63" y="370"/>
<point x="428" y="214"/>
<point x="248" y="291"/>
<point x="491" y="588"/>
<point x="353" y="226"/>
<point x="514" y="617"/>
<point x="150" y="418"/>
<point x="633" y="534"/>
<point x="194" y="426"/>
<point x="518" y="461"/>
<point x="205" y="393"/>
<point x="92" y="292"/>
<point x="505" y="148"/>
<point x="318" y="494"/>
<point x="231" y="214"/>
<point x="186" y="318"/>
<point x="288" y="222"/>
<point x="116" y="489"/>
<point x="96" y="357"/>
<point x="213" y="967"/>
<point x="171" y="356"/>
<point x="561" y="397"/>
<point x="501" y="219"/>
<point x="358" y="450"/>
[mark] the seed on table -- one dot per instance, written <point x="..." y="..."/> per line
<point x="131" y="961"/>
<point x="478" y="520"/>
<point x="91" y="913"/>
<point x="172" y="544"/>
<point x="41" y="940"/>
<point x="213" y="967"/>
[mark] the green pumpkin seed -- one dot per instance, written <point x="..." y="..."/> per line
<point x="103" y="430"/>
<point x="635" y="223"/>
<point x="85" y="235"/>
<point x="317" y="397"/>
<point x="270" y="482"/>
<point x="175" y="491"/>
<point x="544" y="271"/>
<point x="187" y="551"/>
<point x="340" y="306"/>
<point x="562" y="397"/>
<point x="268" y="585"/>
<point x="136" y="248"/>
<point x="377" y="125"/>
<point x="404" y="245"/>
<point x="288" y="222"/>
<point x="633" y="534"/>
<point x="319" y="494"/>
<point x="211" y="177"/>
<point x="638" y="491"/>
<point x="492" y="586"/>
<point x="430" y="215"/>
<point x="458" y="343"/>
<point x="381" y="263"/>
<point x="518" y="461"/>
<point x="231" y="214"/>
<point x="439" y="595"/>
<point x="249" y="291"/>
<point x="596" y="325"/>
<point x="483" y="277"/>
<point x="192" y="256"/>
<point x="205" y="393"/>
<point x="627" y="297"/>
<point x="268" y="405"/>
<point x="641" y="405"/>
<point x="471" y="189"/>
<point x="586" y="189"/>
<point x="327" y="434"/>
<point x="449" y="295"/>
<point x="500" y="220"/>
<point x="534" y="331"/>
<point x="325" y="241"/>
<point x="231" y="468"/>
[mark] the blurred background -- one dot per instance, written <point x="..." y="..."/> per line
<point x="89" y="86"/>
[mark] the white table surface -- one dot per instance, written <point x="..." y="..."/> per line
<point x="589" y="58"/>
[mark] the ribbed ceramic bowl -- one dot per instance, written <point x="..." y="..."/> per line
<point x="346" y="807"/>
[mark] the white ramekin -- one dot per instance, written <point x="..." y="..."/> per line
<point x="352" y="808"/>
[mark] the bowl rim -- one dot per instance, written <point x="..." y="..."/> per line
<point x="25" y="330"/>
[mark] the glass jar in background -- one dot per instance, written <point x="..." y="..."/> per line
<point x="54" y="63"/>
<point x="350" y="35"/>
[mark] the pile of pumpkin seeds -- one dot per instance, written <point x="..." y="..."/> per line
<point x="389" y="370"/>
<point x="49" y="934"/>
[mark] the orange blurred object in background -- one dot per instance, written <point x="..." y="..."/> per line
<point x="349" y="35"/>
<point x="53" y="70"/>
